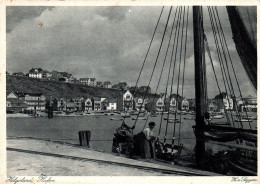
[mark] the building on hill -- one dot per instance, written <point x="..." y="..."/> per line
<point x="61" y="106"/>
<point x="55" y="75"/>
<point x="36" y="73"/>
<point x="144" y="89"/>
<point x="140" y="102"/>
<point x="107" y="84"/>
<point x="99" y="84"/>
<point x="66" y="77"/>
<point x="20" y="74"/>
<point x="121" y="86"/>
<point x="88" y="81"/>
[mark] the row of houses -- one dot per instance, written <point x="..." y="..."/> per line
<point x="39" y="73"/>
<point x="20" y="102"/>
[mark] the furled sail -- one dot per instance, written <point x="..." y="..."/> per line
<point x="243" y="24"/>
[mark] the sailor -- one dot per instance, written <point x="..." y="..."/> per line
<point x="145" y="140"/>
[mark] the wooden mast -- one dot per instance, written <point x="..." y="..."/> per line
<point x="200" y="84"/>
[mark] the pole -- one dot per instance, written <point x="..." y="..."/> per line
<point x="200" y="84"/>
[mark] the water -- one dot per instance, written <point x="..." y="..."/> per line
<point x="102" y="129"/>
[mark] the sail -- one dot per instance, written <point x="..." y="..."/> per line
<point x="243" y="24"/>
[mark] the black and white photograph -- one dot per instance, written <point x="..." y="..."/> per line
<point x="165" y="90"/>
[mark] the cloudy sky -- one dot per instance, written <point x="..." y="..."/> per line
<point x="108" y="43"/>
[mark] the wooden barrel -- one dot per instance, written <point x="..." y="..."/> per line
<point x="84" y="138"/>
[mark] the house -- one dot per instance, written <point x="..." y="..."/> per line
<point x="12" y="95"/>
<point x="249" y="104"/>
<point x="120" y="85"/>
<point x="66" y="77"/>
<point x="112" y="104"/>
<point x="15" y="105"/>
<point x="70" y="106"/>
<point x="182" y="103"/>
<point x="170" y="104"/>
<point x="107" y="84"/>
<point x="99" y="84"/>
<point x="46" y="75"/>
<point x="128" y="101"/>
<point x="139" y="101"/>
<point x="35" y="101"/>
<point x="224" y="102"/>
<point x="144" y="89"/>
<point x="87" y="81"/>
<point x="212" y="106"/>
<point x="104" y="103"/>
<point x="96" y="103"/>
<point x="36" y="73"/>
<point x="20" y="74"/>
<point x="88" y="104"/>
<point x="78" y="103"/>
<point x="61" y="105"/>
<point x="192" y="104"/>
<point x="55" y="75"/>
<point x="159" y="104"/>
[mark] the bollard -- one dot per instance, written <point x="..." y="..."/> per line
<point x="84" y="138"/>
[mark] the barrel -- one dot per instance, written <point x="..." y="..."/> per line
<point x="84" y="138"/>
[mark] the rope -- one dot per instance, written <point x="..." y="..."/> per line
<point x="222" y="32"/>
<point x="184" y="59"/>
<point x="176" y="48"/>
<point x="219" y="55"/>
<point x="163" y="65"/>
<point x="147" y="52"/>
<point x="178" y="84"/>
<point x="231" y="89"/>
<point x="159" y="132"/>
<point x="155" y="61"/>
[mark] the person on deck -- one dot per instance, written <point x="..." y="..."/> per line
<point x="146" y="144"/>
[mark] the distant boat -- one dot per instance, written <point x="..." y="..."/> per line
<point x="189" y="118"/>
<point x="217" y="117"/>
<point x="171" y="119"/>
<point x="117" y="119"/>
<point x="139" y="118"/>
<point x="243" y="120"/>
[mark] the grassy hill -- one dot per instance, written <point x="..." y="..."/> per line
<point x="60" y="89"/>
<point x="57" y="89"/>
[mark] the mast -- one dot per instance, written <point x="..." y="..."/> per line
<point x="200" y="84"/>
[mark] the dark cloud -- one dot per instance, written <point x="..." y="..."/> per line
<point x="108" y="43"/>
<point x="15" y="15"/>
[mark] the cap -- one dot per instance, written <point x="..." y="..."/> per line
<point x="151" y="123"/>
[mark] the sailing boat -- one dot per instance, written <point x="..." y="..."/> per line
<point x="240" y="158"/>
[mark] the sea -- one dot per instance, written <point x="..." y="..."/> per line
<point x="66" y="129"/>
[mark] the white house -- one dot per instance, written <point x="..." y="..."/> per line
<point x="128" y="100"/>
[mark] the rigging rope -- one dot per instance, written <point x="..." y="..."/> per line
<point x="163" y="64"/>
<point x="231" y="89"/>
<point x="155" y="61"/>
<point x="219" y="55"/>
<point x="147" y="53"/>
<point x="222" y="32"/>
<point x="184" y="62"/>
<point x="176" y="49"/>
<point x="178" y="84"/>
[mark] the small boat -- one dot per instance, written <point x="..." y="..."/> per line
<point x="126" y="116"/>
<point x="153" y="115"/>
<point x="139" y="118"/>
<point x="217" y="117"/>
<point x="243" y="120"/>
<point x="117" y="119"/>
<point x="171" y="119"/>
<point x="189" y="118"/>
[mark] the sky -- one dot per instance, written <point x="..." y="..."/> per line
<point x="110" y="43"/>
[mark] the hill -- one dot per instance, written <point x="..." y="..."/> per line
<point x="60" y="89"/>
